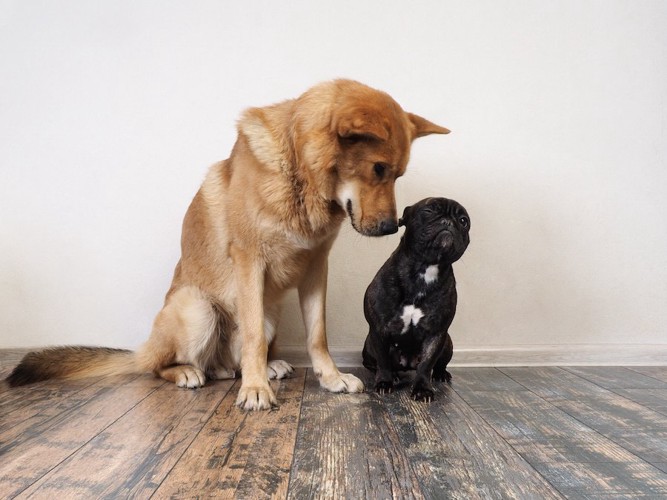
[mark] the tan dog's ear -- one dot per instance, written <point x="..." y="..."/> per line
<point x="424" y="127"/>
<point x="362" y="126"/>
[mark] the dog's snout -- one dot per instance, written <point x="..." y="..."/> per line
<point x="388" y="226"/>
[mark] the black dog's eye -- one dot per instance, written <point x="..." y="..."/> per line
<point x="464" y="221"/>
<point x="379" y="170"/>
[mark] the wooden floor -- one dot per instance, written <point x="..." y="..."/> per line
<point x="495" y="433"/>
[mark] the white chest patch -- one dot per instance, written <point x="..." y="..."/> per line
<point x="411" y="316"/>
<point x="431" y="273"/>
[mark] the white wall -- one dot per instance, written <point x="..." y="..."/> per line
<point x="111" y="112"/>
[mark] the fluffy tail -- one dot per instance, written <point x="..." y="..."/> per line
<point x="71" y="363"/>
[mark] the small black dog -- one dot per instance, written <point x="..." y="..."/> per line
<point x="411" y="302"/>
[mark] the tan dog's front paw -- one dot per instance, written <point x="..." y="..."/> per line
<point x="342" y="382"/>
<point x="278" y="369"/>
<point x="256" y="398"/>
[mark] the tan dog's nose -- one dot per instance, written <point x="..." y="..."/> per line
<point x="388" y="226"/>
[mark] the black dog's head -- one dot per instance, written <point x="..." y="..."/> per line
<point x="437" y="228"/>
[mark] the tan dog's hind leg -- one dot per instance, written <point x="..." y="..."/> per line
<point x="182" y="331"/>
<point x="184" y="376"/>
<point x="278" y="369"/>
<point x="222" y="374"/>
<point x="255" y="392"/>
<point x="312" y="297"/>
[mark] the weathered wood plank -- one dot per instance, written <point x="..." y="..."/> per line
<point x="586" y="432"/>
<point x="657" y="372"/>
<point x="540" y="432"/>
<point x="47" y="438"/>
<point x="347" y="447"/>
<point x="573" y="457"/>
<point x="51" y="405"/>
<point x="617" y="377"/>
<point x="552" y="383"/>
<point x="36" y="398"/>
<point x="455" y="454"/>
<point x="482" y="379"/>
<point x="605" y="479"/>
<point x="241" y="454"/>
<point x="636" y="428"/>
<point x="615" y="415"/>
<point x="654" y="399"/>
<point x="134" y="454"/>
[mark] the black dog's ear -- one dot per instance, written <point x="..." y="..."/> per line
<point x="407" y="213"/>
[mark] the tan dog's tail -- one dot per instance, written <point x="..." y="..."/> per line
<point x="72" y="363"/>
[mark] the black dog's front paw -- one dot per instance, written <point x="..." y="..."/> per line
<point x="442" y="376"/>
<point x="384" y="387"/>
<point x="422" y="393"/>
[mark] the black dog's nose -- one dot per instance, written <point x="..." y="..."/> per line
<point x="388" y="226"/>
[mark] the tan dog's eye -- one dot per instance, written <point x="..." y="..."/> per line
<point x="379" y="170"/>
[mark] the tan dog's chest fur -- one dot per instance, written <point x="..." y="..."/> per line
<point x="262" y="223"/>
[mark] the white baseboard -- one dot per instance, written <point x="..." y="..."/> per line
<point x="518" y="355"/>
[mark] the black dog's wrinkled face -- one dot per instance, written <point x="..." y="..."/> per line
<point x="438" y="227"/>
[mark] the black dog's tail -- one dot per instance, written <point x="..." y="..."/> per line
<point x="72" y="363"/>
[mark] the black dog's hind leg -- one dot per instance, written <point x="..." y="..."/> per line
<point x="376" y="358"/>
<point x="440" y="373"/>
<point x="432" y="350"/>
<point x="367" y="357"/>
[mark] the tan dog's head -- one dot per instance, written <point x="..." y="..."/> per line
<point x="373" y="136"/>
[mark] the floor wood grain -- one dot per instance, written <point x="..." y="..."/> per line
<point x="347" y="447"/>
<point x="519" y="432"/>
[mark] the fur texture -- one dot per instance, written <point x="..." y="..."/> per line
<point x="263" y="222"/>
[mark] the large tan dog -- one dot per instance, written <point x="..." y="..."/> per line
<point x="263" y="222"/>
